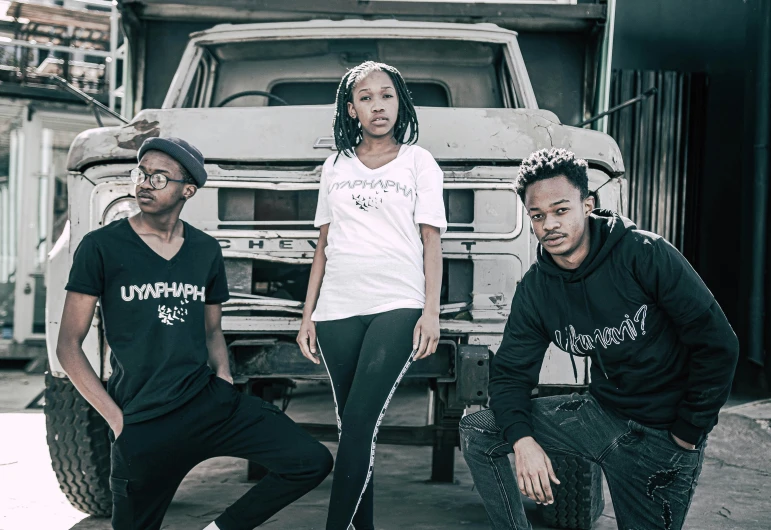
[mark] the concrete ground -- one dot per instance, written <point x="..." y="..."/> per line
<point x="734" y="491"/>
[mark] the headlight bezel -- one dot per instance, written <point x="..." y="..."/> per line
<point x="120" y="208"/>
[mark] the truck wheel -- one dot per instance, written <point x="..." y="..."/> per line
<point x="578" y="500"/>
<point x="79" y="447"/>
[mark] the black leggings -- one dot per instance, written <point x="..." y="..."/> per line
<point x="366" y="357"/>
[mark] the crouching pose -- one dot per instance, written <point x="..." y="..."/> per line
<point x="663" y="357"/>
<point x="170" y="401"/>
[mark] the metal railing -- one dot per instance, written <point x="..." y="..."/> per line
<point x="23" y="64"/>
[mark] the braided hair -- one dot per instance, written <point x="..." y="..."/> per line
<point x="348" y="130"/>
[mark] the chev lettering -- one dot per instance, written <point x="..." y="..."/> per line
<point x="269" y="244"/>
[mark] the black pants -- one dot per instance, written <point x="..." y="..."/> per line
<point x="150" y="459"/>
<point x="366" y="357"/>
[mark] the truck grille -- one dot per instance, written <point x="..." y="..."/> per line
<point x="264" y="224"/>
<point x="267" y="209"/>
<point x="289" y="281"/>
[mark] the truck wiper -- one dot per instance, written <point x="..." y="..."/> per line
<point x="93" y="104"/>
<point x="645" y="95"/>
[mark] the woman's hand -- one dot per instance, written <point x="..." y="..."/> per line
<point x="425" y="338"/>
<point x="306" y="338"/>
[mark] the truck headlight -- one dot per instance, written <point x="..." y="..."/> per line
<point x="119" y="209"/>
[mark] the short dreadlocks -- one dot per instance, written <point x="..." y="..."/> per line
<point x="348" y="131"/>
<point x="549" y="163"/>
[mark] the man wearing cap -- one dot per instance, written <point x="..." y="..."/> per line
<point x="170" y="401"/>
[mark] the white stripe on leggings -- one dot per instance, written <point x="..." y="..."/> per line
<point x="334" y="396"/>
<point x="374" y="434"/>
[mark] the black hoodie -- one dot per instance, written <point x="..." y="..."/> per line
<point x="662" y="351"/>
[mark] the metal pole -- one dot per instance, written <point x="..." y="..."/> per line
<point x="45" y="202"/>
<point x="645" y="95"/>
<point x="88" y="99"/>
<point x="100" y="3"/>
<point x="96" y="114"/>
<point x="27" y="197"/>
<point x="126" y="102"/>
<point x="5" y="253"/>
<point x="757" y="299"/>
<point x="112" y="71"/>
<point x="606" y="63"/>
<point x="4" y="41"/>
<point x="16" y="164"/>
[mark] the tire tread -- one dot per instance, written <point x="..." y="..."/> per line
<point x="79" y="446"/>
<point x="578" y="500"/>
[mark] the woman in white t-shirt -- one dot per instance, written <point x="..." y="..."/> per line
<point x="373" y="298"/>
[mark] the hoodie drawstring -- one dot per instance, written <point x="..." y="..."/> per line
<point x="586" y="307"/>
<point x="570" y="320"/>
<point x="598" y="355"/>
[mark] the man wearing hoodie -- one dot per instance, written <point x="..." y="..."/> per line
<point x="663" y="358"/>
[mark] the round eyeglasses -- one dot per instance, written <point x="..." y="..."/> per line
<point x="157" y="180"/>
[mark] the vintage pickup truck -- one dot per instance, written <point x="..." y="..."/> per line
<point x="257" y="100"/>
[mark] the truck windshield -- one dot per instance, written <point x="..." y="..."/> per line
<point x="424" y="94"/>
<point x="439" y="73"/>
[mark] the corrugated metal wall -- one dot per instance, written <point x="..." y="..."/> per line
<point x="661" y="140"/>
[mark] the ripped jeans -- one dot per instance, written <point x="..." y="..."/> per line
<point x="651" y="478"/>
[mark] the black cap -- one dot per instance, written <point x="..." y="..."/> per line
<point x="186" y="154"/>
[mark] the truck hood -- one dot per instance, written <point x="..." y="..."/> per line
<point x="288" y="134"/>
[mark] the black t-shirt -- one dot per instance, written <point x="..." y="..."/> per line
<point x="153" y="313"/>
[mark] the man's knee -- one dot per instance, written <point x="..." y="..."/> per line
<point x="477" y="429"/>
<point x="320" y="461"/>
<point x="482" y="422"/>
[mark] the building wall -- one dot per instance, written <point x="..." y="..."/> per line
<point x="703" y="36"/>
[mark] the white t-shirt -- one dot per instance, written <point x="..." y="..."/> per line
<point x="374" y="251"/>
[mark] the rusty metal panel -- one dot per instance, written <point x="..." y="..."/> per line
<point x="661" y="143"/>
<point x="260" y="135"/>
<point x="239" y="274"/>
<point x="236" y="205"/>
<point x="473" y="374"/>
